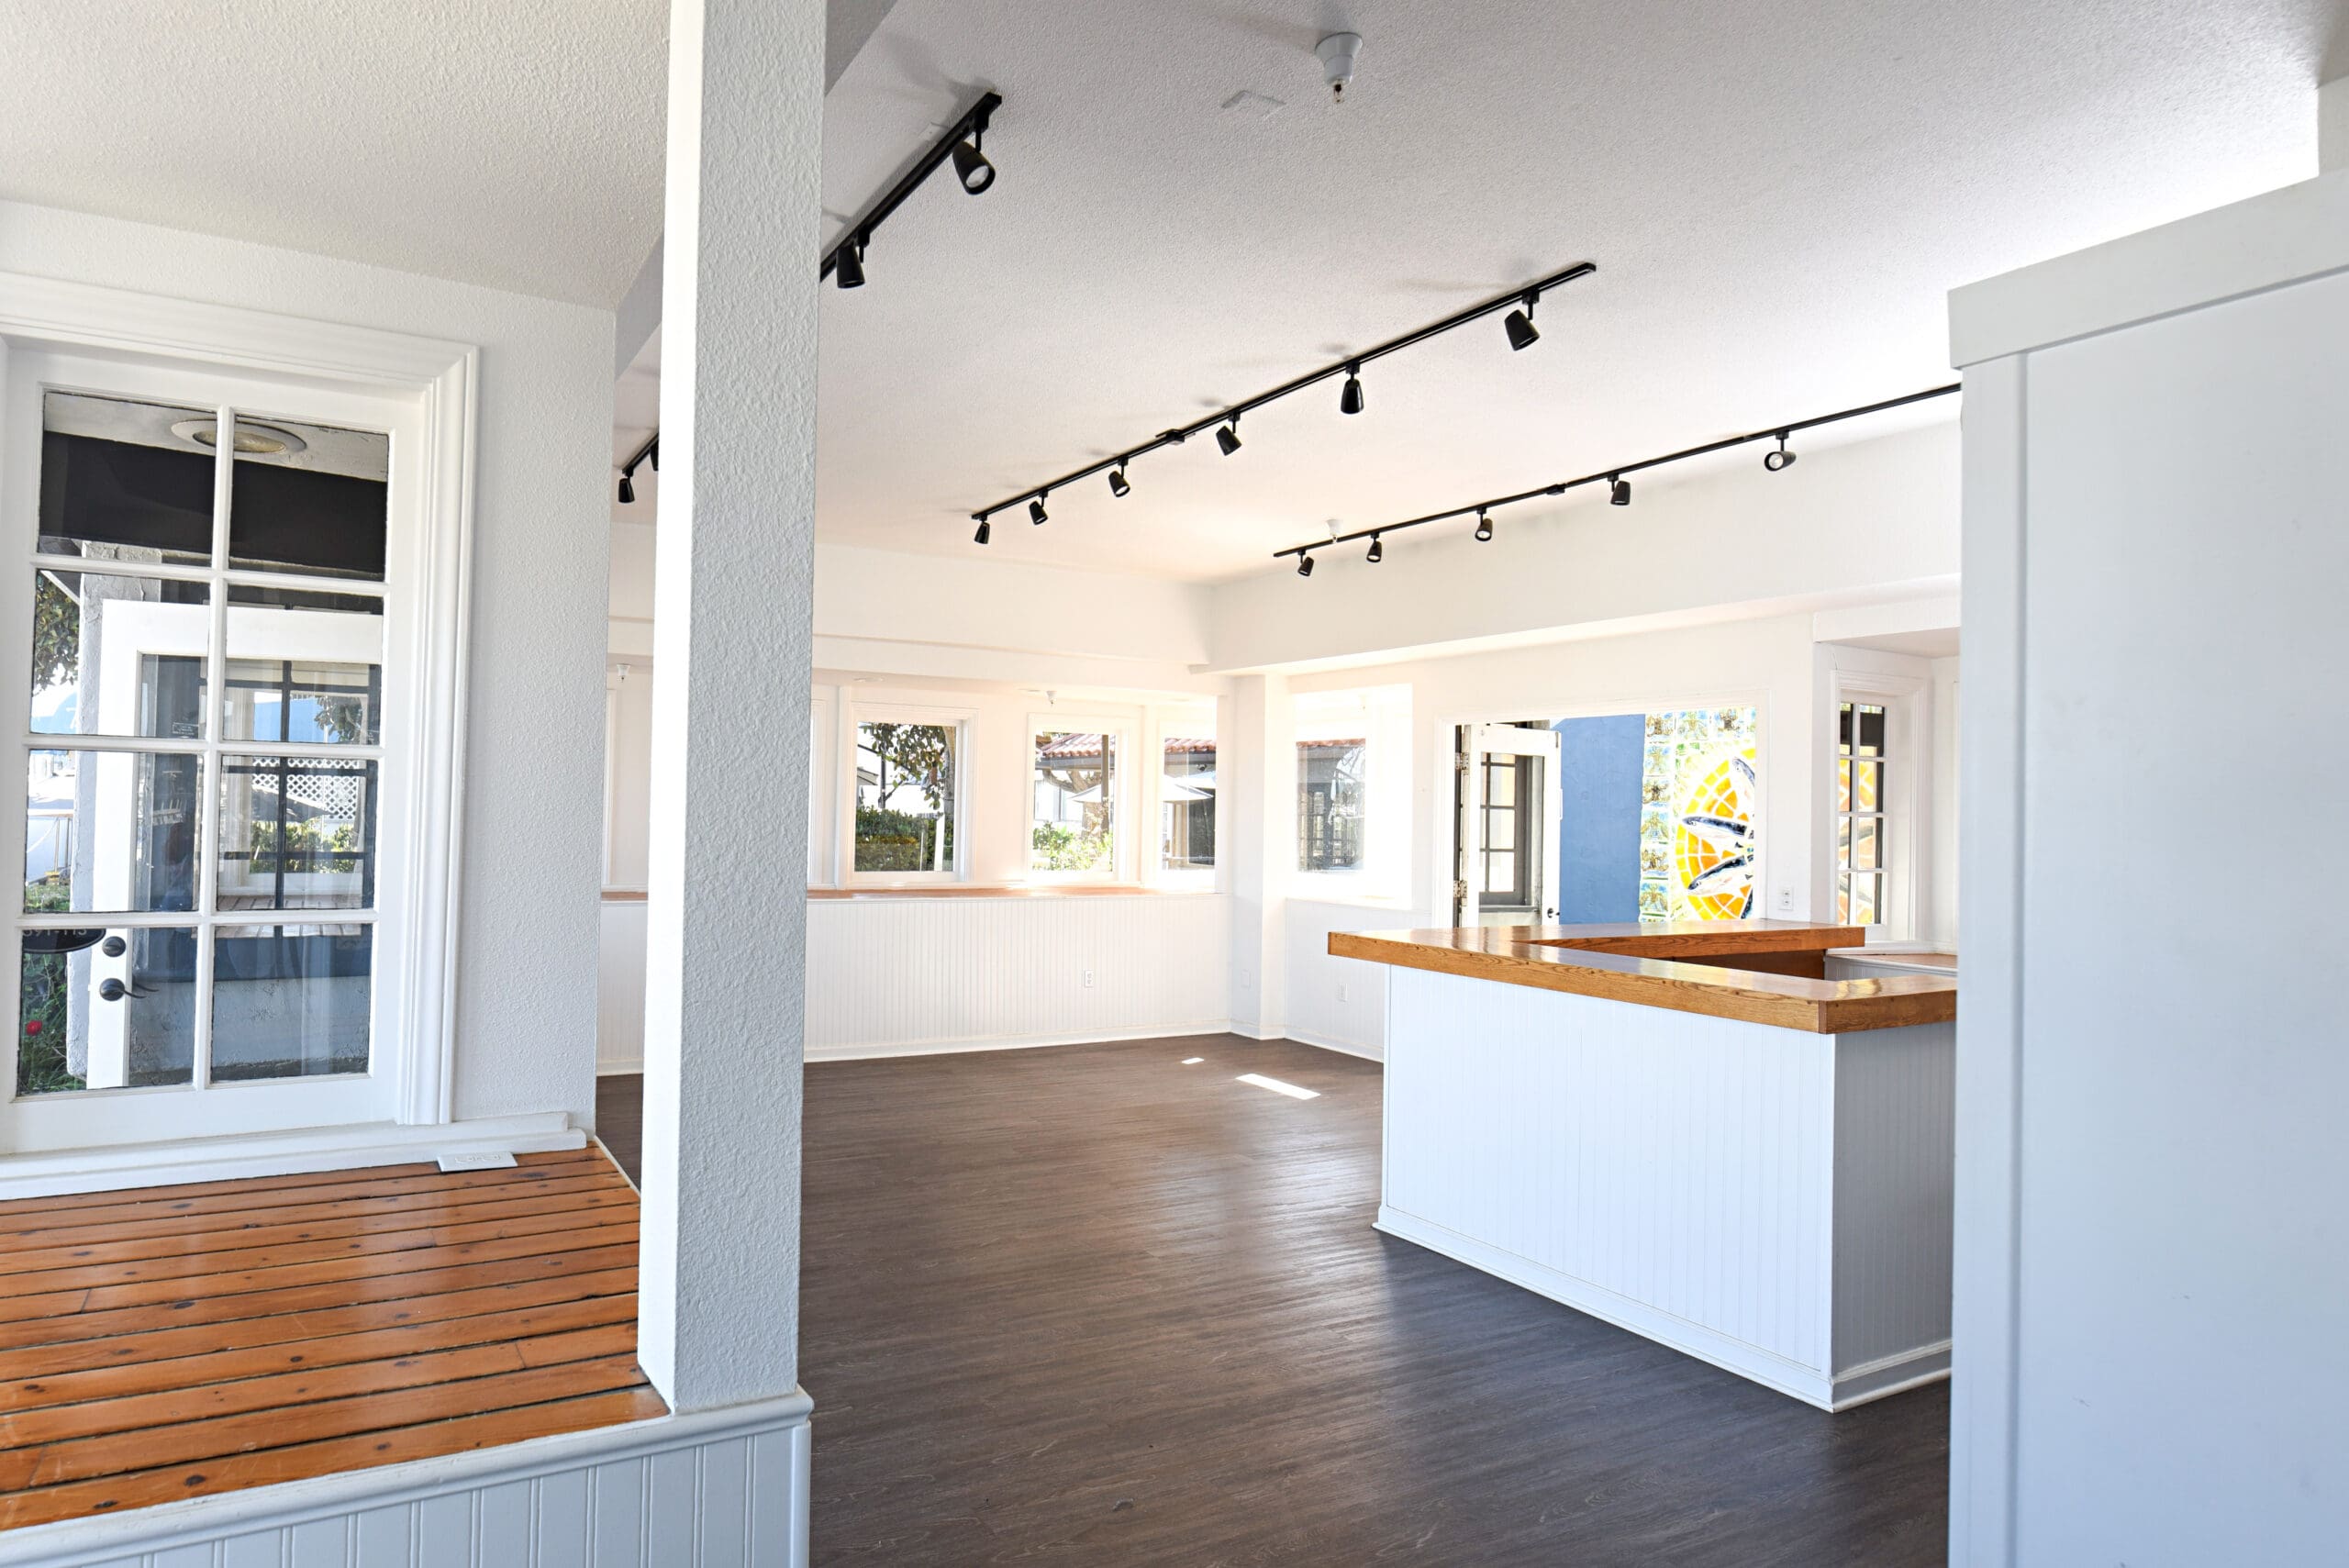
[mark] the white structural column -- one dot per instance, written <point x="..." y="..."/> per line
<point x="2150" y="1245"/>
<point x="2332" y="126"/>
<point x="1258" y="735"/>
<point x="725" y="970"/>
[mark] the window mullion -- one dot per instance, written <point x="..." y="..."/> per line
<point x="215" y="692"/>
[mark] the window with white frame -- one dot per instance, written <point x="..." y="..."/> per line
<point x="1353" y="787"/>
<point x="909" y="794"/>
<point x="1862" y="864"/>
<point x="1073" y="784"/>
<point x="1186" y="797"/>
<point x="1332" y="802"/>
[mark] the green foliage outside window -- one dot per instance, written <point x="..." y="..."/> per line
<point x="308" y="847"/>
<point x="1066" y="849"/>
<point x="41" y="1039"/>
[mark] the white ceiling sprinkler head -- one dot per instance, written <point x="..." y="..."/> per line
<point x="1337" y="54"/>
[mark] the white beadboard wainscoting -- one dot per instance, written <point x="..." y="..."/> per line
<point x="1339" y="1003"/>
<point x="619" y="988"/>
<point x="721" y="1489"/>
<point x="905" y="976"/>
<point x="1773" y="1201"/>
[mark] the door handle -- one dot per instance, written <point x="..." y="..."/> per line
<point x="113" y="990"/>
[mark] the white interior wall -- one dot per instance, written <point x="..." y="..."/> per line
<point x="1866" y="522"/>
<point x="530" y="858"/>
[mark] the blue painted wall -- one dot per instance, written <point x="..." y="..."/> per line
<point x="1601" y="762"/>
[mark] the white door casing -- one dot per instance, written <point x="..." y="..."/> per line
<point x="420" y="393"/>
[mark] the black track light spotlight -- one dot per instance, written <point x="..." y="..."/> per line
<point x="653" y="453"/>
<point x="1378" y="550"/>
<point x="628" y="488"/>
<point x="849" y="270"/>
<point x="986" y="533"/>
<point x="1228" y="437"/>
<point x="1484" y="526"/>
<point x="1304" y="565"/>
<point x="1619" y="490"/>
<point x="1118" y="486"/>
<point x="970" y="165"/>
<point x="1350" y="400"/>
<point x="1520" y="324"/>
<point x="1036" y="512"/>
<point x="1780" y="459"/>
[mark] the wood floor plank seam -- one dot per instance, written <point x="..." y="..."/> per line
<point x="283" y="1328"/>
<point x="521" y="1325"/>
<point x="81" y="1232"/>
<point x="83" y="1458"/>
<point x="381" y="1265"/>
<point x="60" y="1272"/>
<point x="308" y="1386"/>
<point x="303" y="1299"/>
<point x="171" y="1483"/>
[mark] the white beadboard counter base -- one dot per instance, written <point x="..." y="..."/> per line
<point x="1774" y="1201"/>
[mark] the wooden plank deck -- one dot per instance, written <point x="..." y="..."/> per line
<point x="175" y="1342"/>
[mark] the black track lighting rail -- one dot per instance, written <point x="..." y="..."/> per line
<point x="960" y="143"/>
<point x="1520" y="299"/>
<point x="649" y="452"/>
<point x="974" y="126"/>
<point x="1612" y="475"/>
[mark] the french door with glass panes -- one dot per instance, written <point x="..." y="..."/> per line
<point x="1506" y="813"/>
<point x="195" y="643"/>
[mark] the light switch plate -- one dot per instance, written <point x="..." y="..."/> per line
<point x="485" y="1161"/>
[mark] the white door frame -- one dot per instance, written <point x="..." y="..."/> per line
<point x="263" y="359"/>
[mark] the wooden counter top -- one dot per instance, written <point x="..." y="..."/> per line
<point x="1032" y="889"/>
<point x="1761" y="972"/>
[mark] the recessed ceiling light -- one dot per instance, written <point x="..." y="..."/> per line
<point x="255" y="441"/>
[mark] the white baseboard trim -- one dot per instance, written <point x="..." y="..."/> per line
<point x="278" y="1154"/>
<point x="1015" y="1042"/>
<point x="1892" y="1374"/>
<point x="1812" y="1386"/>
<point x="618" y="1066"/>
<point x="1343" y="1047"/>
<point x="202" y="1522"/>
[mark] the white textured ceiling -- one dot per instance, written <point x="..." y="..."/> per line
<point x="1778" y="194"/>
<point x="513" y="143"/>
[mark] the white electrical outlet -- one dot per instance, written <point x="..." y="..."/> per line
<point x="1342" y="990"/>
<point x="1246" y="980"/>
<point x="1785" y="901"/>
<point x="1089" y="977"/>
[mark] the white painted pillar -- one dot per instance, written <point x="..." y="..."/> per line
<point x="718" y="1308"/>
<point x="1261" y="721"/>
<point x="2332" y="126"/>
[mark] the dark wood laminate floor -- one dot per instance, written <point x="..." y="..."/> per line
<point x="1088" y="1306"/>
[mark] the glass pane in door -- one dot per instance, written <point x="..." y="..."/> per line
<point x="105" y="1009"/>
<point x="296" y="833"/>
<point x="290" y="1001"/>
<point x="110" y="830"/>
